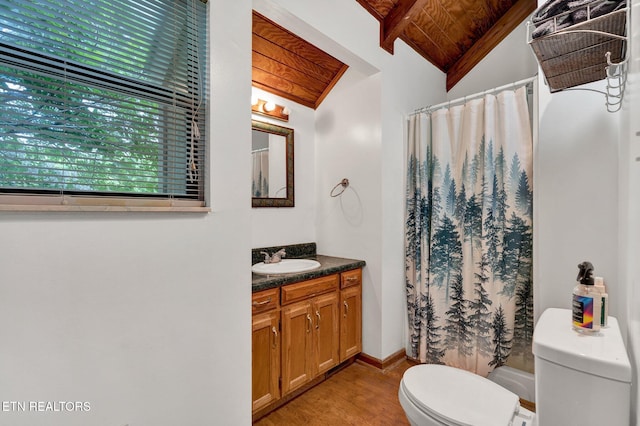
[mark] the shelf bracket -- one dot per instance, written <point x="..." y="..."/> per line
<point x="615" y="73"/>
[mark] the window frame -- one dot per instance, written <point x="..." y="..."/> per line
<point x="42" y="199"/>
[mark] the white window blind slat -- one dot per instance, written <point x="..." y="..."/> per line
<point x="102" y="97"/>
<point x="118" y="37"/>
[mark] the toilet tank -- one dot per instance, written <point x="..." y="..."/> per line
<point x="580" y="379"/>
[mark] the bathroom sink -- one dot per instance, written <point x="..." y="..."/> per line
<point x="285" y="266"/>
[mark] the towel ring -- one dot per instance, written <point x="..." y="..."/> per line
<point x="344" y="183"/>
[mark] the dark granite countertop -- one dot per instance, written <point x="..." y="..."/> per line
<point x="328" y="265"/>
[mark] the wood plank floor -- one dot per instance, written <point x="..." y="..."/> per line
<point x="356" y="395"/>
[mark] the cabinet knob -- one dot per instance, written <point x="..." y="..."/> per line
<point x="309" y="323"/>
<point x="318" y="324"/>
<point x="346" y="308"/>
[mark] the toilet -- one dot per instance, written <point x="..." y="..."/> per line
<point x="579" y="380"/>
<point x="435" y="395"/>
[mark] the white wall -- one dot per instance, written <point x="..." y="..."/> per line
<point x="349" y="146"/>
<point x="629" y="231"/>
<point x="575" y="197"/>
<point x="290" y="225"/>
<point x="144" y="316"/>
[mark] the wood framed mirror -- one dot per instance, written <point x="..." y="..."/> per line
<point x="272" y="164"/>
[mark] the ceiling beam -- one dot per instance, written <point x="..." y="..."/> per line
<point x="393" y="25"/>
<point x="502" y="28"/>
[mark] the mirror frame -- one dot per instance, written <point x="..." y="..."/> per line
<point x="288" y="201"/>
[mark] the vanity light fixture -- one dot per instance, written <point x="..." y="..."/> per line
<point x="270" y="109"/>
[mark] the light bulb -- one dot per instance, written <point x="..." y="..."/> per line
<point x="269" y="106"/>
<point x="254" y="100"/>
<point x="286" y="111"/>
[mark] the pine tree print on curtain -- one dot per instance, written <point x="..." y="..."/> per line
<point x="468" y="239"/>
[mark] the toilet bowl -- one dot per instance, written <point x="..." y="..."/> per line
<point x="579" y="380"/>
<point x="437" y="395"/>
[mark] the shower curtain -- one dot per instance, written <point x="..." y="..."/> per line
<point x="468" y="234"/>
<point x="260" y="182"/>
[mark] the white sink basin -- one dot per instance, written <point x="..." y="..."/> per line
<point x="285" y="266"/>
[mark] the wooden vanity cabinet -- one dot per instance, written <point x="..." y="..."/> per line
<point x="301" y="331"/>
<point x="265" y="348"/>
<point x="310" y="330"/>
<point x="350" y="313"/>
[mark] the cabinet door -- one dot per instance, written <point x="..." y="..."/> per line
<point x="350" y="322"/>
<point x="297" y="345"/>
<point x="327" y="333"/>
<point x="265" y="354"/>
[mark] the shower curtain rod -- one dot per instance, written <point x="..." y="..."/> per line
<point x="464" y="99"/>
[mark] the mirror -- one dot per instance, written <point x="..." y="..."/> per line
<point x="272" y="163"/>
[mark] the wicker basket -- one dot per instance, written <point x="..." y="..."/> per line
<point x="577" y="54"/>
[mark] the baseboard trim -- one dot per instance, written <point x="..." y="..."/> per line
<point x="384" y="363"/>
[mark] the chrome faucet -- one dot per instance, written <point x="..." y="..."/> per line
<point x="275" y="257"/>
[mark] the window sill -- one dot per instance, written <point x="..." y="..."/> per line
<point x="25" y="203"/>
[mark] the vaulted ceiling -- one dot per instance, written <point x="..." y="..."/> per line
<point x="454" y="35"/>
<point x="288" y="66"/>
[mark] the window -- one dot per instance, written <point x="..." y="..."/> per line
<point x="102" y="102"/>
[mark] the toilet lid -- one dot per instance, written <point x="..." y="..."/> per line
<point x="458" y="397"/>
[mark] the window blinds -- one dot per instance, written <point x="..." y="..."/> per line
<point x="103" y="97"/>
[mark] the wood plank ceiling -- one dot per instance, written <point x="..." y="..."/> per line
<point x="288" y="66"/>
<point x="454" y="35"/>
